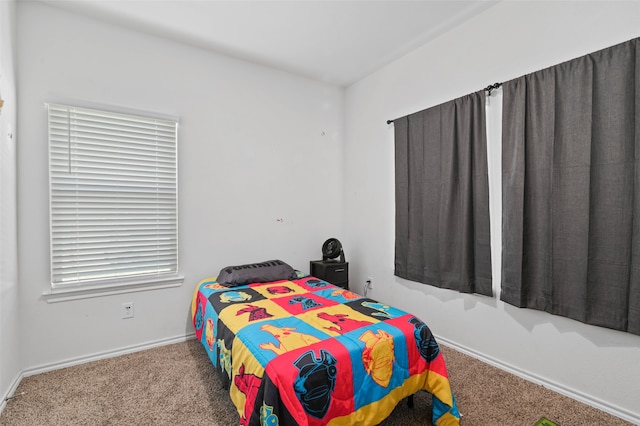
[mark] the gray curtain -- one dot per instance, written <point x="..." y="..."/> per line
<point x="571" y="182"/>
<point x="442" y="196"/>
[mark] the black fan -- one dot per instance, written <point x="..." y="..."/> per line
<point x="332" y="249"/>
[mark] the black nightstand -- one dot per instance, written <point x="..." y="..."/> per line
<point x="332" y="271"/>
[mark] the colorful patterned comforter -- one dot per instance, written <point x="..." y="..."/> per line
<point x="305" y="352"/>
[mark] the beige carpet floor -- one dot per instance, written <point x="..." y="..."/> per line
<point x="177" y="385"/>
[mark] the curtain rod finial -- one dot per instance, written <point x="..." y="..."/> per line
<point x="491" y="87"/>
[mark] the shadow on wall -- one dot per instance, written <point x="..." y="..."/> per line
<point x="600" y="337"/>
<point x="529" y="319"/>
<point x="445" y="295"/>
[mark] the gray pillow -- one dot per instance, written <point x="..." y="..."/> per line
<point x="270" y="270"/>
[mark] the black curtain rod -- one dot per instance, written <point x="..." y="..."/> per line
<point x="489" y="89"/>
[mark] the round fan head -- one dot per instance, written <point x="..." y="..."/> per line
<point x="331" y="248"/>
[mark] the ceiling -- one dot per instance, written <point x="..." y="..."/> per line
<point x="335" y="41"/>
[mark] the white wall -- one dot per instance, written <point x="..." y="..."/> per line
<point x="9" y="338"/>
<point x="511" y="39"/>
<point x="259" y="170"/>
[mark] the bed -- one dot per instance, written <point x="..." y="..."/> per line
<point x="301" y="351"/>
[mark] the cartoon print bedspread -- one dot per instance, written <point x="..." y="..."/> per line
<point x="305" y="352"/>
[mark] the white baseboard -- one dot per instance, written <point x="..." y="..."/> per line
<point x="88" y="358"/>
<point x="10" y="391"/>
<point x="106" y="354"/>
<point x="542" y="381"/>
<point x="556" y="387"/>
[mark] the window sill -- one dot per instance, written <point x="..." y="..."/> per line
<point x="56" y="295"/>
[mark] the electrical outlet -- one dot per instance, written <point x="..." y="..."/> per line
<point x="127" y="310"/>
<point x="370" y="282"/>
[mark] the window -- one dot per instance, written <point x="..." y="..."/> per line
<point x="113" y="198"/>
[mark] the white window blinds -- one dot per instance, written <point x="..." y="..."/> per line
<point x="113" y="194"/>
